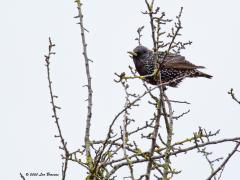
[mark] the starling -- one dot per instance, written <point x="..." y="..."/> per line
<point x="173" y="67"/>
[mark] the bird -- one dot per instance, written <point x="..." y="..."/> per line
<point x="173" y="67"/>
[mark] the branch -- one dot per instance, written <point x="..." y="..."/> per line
<point x="153" y="145"/>
<point x="158" y="157"/>
<point x="89" y="83"/>
<point x="169" y="139"/>
<point x="178" y="26"/>
<point x="150" y="13"/>
<point x="224" y="162"/>
<point x="54" y="109"/>
<point x="125" y="132"/>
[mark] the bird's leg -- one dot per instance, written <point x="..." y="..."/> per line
<point x="141" y="77"/>
<point x="149" y="75"/>
<point x="133" y="77"/>
<point x="153" y="74"/>
<point x="123" y="76"/>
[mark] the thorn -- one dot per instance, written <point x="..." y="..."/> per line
<point x="86" y="30"/>
<point x="57" y="107"/>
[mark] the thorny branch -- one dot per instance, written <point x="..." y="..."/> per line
<point x="124" y="129"/>
<point x="54" y="109"/>
<point x="169" y="139"/>
<point x="89" y="84"/>
<point x="154" y="140"/>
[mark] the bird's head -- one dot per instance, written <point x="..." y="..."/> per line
<point x="139" y="51"/>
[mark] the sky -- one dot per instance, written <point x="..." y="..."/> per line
<point x="27" y="129"/>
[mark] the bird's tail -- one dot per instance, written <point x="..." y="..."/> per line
<point x="201" y="74"/>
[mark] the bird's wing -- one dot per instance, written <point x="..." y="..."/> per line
<point x="179" y="62"/>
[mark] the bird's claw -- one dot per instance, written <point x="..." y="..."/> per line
<point x="120" y="76"/>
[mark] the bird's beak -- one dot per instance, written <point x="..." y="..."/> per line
<point x="132" y="53"/>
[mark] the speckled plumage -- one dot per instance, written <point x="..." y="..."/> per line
<point x="173" y="69"/>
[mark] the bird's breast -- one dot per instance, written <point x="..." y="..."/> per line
<point x="144" y="67"/>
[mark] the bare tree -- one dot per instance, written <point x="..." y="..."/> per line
<point x="103" y="158"/>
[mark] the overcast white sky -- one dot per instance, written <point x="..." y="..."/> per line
<point x="27" y="130"/>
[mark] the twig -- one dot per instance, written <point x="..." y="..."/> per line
<point x="178" y="26"/>
<point x="181" y="115"/>
<point x="139" y="31"/>
<point x="150" y="13"/>
<point x="169" y="140"/>
<point x="89" y="84"/>
<point x="233" y="96"/>
<point x="224" y="162"/>
<point x="180" y="102"/>
<point x="22" y="177"/>
<point x="153" y="144"/>
<point x="210" y="162"/>
<point x="125" y="132"/>
<point x="54" y="109"/>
